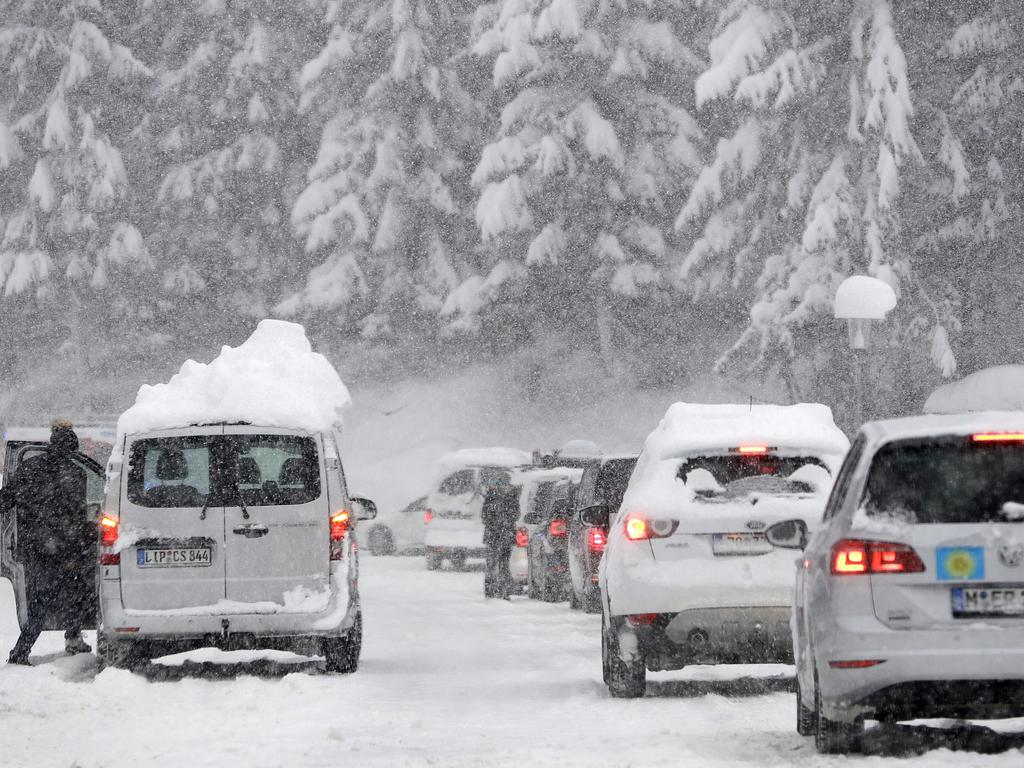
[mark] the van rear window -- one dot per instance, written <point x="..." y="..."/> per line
<point x="223" y="470"/>
<point x="947" y="481"/>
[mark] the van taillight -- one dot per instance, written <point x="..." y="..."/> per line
<point x="109" y="526"/>
<point x="596" y="539"/>
<point x="339" y="527"/>
<point x="557" y="529"/>
<point x="855" y="556"/>
<point x="522" y="537"/>
<point x="428" y="516"/>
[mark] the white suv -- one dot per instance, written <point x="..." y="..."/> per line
<point x="910" y="597"/>
<point x="234" y="535"/>
<point x="688" y="575"/>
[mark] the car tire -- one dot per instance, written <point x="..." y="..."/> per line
<point x="625" y="679"/>
<point x="381" y="541"/>
<point x="806" y="721"/>
<point x="342" y="653"/>
<point x="122" y="654"/>
<point x="834" y="737"/>
<point x="458" y="561"/>
<point x="433" y="560"/>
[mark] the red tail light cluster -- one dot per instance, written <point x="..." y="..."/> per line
<point x="558" y="529"/>
<point x="428" y="516"/>
<point x="596" y="539"/>
<point x="109" y="529"/>
<point x="855" y="556"/>
<point x="522" y="537"/>
<point x="339" y="528"/>
<point x="640" y="528"/>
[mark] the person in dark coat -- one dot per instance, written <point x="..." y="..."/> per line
<point x="55" y="541"/>
<point x="500" y="513"/>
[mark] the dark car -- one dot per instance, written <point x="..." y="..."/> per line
<point x="548" y="567"/>
<point x="603" y="485"/>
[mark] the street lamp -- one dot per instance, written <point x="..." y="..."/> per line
<point x="861" y="299"/>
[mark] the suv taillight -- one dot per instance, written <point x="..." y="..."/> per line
<point x="339" y="527"/>
<point x="640" y="528"/>
<point x="109" y="527"/>
<point x="428" y="516"/>
<point x="557" y="529"/>
<point x="522" y="537"/>
<point x="596" y="539"/>
<point x="856" y="556"/>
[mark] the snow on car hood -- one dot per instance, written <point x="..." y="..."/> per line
<point x="273" y="379"/>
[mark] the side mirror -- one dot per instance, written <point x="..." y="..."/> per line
<point x="364" y="509"/>
<point x="596" y="516"/>
<point x="789" y="534"/>
<point x="532" y="518"/>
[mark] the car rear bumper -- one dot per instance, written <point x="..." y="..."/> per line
<point x="932" y="673"/>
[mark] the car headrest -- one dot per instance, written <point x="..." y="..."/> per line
<point x="249" y="471"/>
<point x="296" y="471"/>
<point x="171" y="465"/>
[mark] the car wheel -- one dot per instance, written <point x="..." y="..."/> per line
<point x="458" y="561"/>
<point x="805" y="716"/>
<point x="123" y="654"/>
<point x="625" y="679"/>
<point x="834" y="737"/>
<point x="591" y="599"/>
<point x="433" y="560"/>
<point x="381" y="541"/>
<point x="342" y="653"/>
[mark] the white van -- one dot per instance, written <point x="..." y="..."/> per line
<point x="229" y="535"/>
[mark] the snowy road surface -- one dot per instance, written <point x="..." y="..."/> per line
<point x="447" y="680"/>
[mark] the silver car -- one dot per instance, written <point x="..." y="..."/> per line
<point x="234" y="536"/>
<point x="909" y="598"/>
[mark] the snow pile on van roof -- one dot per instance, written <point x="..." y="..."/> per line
<point x="482" y="457"/>
<point x="273" y="379"/>
<point x="1000" y="388"/>
<point x="691" y="427"/>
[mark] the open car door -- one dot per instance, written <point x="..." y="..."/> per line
<point x="10" y="567"/>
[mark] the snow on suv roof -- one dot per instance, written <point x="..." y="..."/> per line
<point x="273" y="379"/>
<point x="1000" y="388"/>
<point x="911" y="427"/>
<point x="497" y="456"/>
<point x="690" y="427"/>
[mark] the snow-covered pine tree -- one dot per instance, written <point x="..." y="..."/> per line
<point x="65" y="106"/>
<point x="596" y="148"/>
<point x="804" y="189"/>
<point x="228" y="149"/>
<point x="384" y="210"/>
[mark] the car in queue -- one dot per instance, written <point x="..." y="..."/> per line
<point x="688" y="575"/>
<point x="229" y="535"/>
<point x="602" y="486"/>
<point x="537" y="483"/>
<point x="455" y="530"/>
<point x="397" y="533"/>
<point x="909" y="598"/>
<point x="547" y="559"/>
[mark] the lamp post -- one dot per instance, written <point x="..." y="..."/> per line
<point x="861" y="299"/>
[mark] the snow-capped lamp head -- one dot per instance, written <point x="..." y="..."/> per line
<point x="860" y="299"/>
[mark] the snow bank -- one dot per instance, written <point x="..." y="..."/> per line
<point x="274" y="379"/>
<point x="1000" y="388"/>
<point x="690" y="427"/>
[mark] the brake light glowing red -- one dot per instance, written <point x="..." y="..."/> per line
<point x="856" y="663"/>
<point x="339" y="528"/>
<point x="522" y="537"/>
<point x="639" y="528"/>
<point x="854" y="556"/>
<point x="641" y="619"/>
<point x="998" y="437"/>
<point x="557" y="529"/>
<point x="752" y="449"/>
<point x="596" y="539"/>
<point x="428" y="516"/>
<point x="109" y="525"/>
<point x="636" y="529"/>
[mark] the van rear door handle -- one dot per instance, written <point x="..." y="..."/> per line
<point x="251" y="530"/>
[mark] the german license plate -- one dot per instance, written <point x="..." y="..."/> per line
<point x="173" y="557"/>
<point x="981" y="602"/>
<point x="740" y="544"/>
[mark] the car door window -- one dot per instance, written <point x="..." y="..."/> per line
<point x="585" y="495"/>
<point x="844" y="479"/>
<point x="458" y="483"/>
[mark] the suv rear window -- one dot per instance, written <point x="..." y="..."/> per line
<point x="740" y="475"/>
<point x="223" y="470"/>
<point x="946" y="481"/>
<point x="457" y="483"/>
